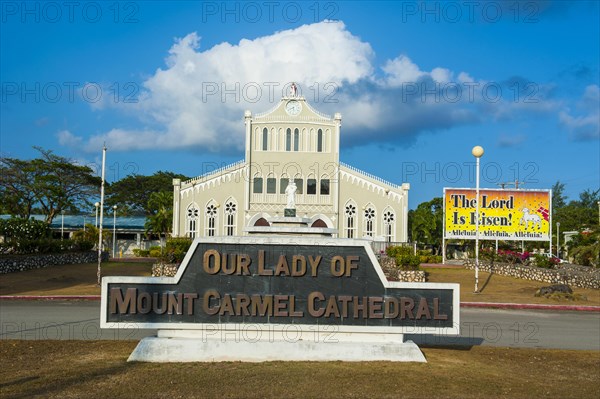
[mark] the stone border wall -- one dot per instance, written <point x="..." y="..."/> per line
<point x="393" y="274"/>
<point x="164" y="269"/>
<point x="21" y="263"/>
<point x="573" y="275"/>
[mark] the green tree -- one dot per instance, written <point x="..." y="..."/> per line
<point x="559" y="199"/>
<point x="132" y="193"/>
<point x="52" y="182"/>
<point x="160" y="221"/>
<point x="427" y="223"/>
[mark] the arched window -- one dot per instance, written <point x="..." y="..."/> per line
<point x="369" y="221"/>
<point x="210" y="219"/>
<point x="288" y="139"/>
<point x="271" y="184"/>
<point x="230" y="215"/>
<point x="311" y="185"/>
<point x="324" y="185"/>
<point x="265" y="139"/>
<point x="320" y="140"/>
<point x="191" y="220"/>
<point x="350" y="219"/>
<point x="257" y="184"/>
<point x="389" y="225"/>
<point x="296" y="139"/>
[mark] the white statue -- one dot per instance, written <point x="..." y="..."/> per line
<point x="293" y="90"/>
<point x="290" y="191"/>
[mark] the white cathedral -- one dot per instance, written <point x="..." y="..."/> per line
<point x="291" y="143"/>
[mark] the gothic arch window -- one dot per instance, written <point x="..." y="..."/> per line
<point x="389" y="225"/>
<point x="192" y="215"/>
<point x="324" y="185"/>
<point x="257" y="184"/>
<point x="210" y="219"/>
<point x="288" y="139"/>
<point x="265" y="139"/>
<point x="271" y="184"/>
<point x="311" y="185"/>
<point x="350" y="219"/>
<point x="369" y="221"/>
<point x="230" y="211"/>
<point x="320" y="140"/>
<point x="296" y="139"/>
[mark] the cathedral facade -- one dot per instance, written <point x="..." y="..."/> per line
<point x="291" y="143"/>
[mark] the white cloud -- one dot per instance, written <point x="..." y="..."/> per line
<point x="587" y="125"/>
<point x="68" y="139"/>
<point x="198" y="99"/>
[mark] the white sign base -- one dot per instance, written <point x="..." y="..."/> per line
<point x="251" y="346"/>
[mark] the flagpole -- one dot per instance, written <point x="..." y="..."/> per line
<point x="99" y="275"/>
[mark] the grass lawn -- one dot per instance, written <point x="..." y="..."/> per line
<point x="98" y="369"/>
<point x="494" y="288"/>
<point x="78" y="279"/>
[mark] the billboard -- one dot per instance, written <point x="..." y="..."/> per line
<point x="520" y="215"/>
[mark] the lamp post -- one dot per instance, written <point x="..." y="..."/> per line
<point x="477" y="152"/>
<point x="114" y="231"/>
<point x="62" y="224"/>
<point x="84" y="223"/>
<point x="97" y="204"/>
<point x="557" y="239"/>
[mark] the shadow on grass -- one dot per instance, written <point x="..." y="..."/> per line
<point x="444" y="341"/>
<point x="487" y="281"/>
<point x="18" y="381"/>
<point x="57" y="386"/>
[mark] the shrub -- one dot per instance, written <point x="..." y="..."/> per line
<point x="544" y="261"/>
<point x="408" y="262"/>
<point x="394" y="250"/>
<point x="24" y="229"/>
<point x="587" y="255"/>
<point x="155" y="252"/>
<point x="142" y="253"/>
<point x="175" y="250"/>
<point x="44" y="246"/>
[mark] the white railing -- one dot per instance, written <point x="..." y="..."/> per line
<point x="285" y="118"/>
<point x="301" y="199"/>
<point x="370" y="176"/>
<point x="214" y="173"/>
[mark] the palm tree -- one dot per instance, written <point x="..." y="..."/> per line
<point x="160" y="222"/>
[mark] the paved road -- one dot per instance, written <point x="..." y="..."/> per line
<point x="78" y="320"/>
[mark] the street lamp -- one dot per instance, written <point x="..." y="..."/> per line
<point x="477" y="152"/>
<point x="62" y="224"/>
<point x="97" y="204"/>
<point x="557" y="239"/>
<point x="114" y="231"/>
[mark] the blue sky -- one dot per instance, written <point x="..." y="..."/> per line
<point x="418" y="84"/>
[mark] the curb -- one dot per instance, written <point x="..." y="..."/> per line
<point x="484" y="305"/>
<point x="49" y="297"/>
<point x="531" y="306"/>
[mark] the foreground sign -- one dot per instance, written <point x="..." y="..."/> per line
<point x="280" y="281"/>
<point x="521" y="215"/>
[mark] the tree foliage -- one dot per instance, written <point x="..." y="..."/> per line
<point x="132" y="193"/>
<point x="52" y="182"/>
<point x="161" y="206"/>
<point x="427" y="222"/>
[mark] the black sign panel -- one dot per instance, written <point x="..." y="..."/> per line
<point x="271" y="283"/>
